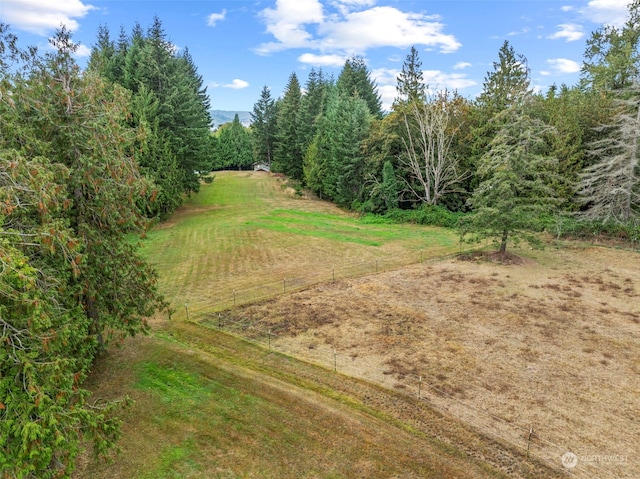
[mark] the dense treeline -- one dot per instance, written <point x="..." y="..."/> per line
<point x="168" y="107"/>
<point x="87" y="158"/>
<point x="515" y="160"/>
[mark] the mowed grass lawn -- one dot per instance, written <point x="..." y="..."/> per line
<point x="249" y="233"/>
<point x="211" y="405"/>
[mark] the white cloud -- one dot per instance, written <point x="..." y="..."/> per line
<point x="439" y="80"/>
<point x="563" y="65"/>
<point x="83" y="51"/>
<point x="610" y="12"/>
<point x="545" y="73"/>
<point x="322" y="60"/>
<point x="388" y="94"/>
<point x="43" y="16"/>
<point x="524" y="31"/>
<point x="569" y="31"/>
<point x="461" y="65"/>
<point x="236" y="84"/>
<point x="214" y="18"/>
<point x="435" y="80"/>
<point x="286" y="23"/>
<point x="567" y="8"/>
<point x="359" y="31"/>
<point x="296" y="24"/>
<point x="384" y="76"/>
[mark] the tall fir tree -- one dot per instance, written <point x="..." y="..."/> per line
<point x="263" y="125"/>
<point x="410" y="85"/>
<point x="355" y="80"/>
<point x="335" y="164"/>
<point x="147" y="64"/>
<point x="508" y="84"/>
<point x="287" y="156"/>
<point x="515" y="186"/>
<point x="312" y="107"/>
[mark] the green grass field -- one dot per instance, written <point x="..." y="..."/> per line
<point x="245" y="233"/>
<point x="211" y="405"/>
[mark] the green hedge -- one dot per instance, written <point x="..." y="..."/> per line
<point x="425" y="215"/>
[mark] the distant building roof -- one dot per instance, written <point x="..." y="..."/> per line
<point x="261" y="167"/>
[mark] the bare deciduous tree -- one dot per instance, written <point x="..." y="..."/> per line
<point x="433" y="167"/>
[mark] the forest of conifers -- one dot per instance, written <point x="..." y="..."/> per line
<point x="91" y="158"/>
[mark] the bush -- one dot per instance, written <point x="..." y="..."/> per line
<point x="426" y="215"/>
<point x="566" y="226"/>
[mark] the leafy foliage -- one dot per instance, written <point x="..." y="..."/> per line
<point x="515" y="187"/>
<point x="334" y="164"/>
<point x="610" y="187"/>
<point x="263" y="125"/>
<point x="355" y="80"/>
<point x="612" y="58"/>
<point x="169" y="106"/>
<point x="70" y="278"/>
<point x="233" y="148"/>
<point x="288" y="154"/>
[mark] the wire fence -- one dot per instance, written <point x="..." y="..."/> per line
<point x="525" y="438"/>
<point x="294" y="280"/>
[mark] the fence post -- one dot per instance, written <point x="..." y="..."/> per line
<point x="186" y="308"/>
<point x="420" y="387"/>
<point x="234" y="297"/>
<point x="333" y="273"/>
<point x="335" y="362"/>
<point x="284" y="285"/>
<point x="269" y="332"/>
<point x="529" y="440"/>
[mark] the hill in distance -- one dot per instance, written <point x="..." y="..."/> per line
<point x="220" y="117"/>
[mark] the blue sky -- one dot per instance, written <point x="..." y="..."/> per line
<point x="241" y="45"/>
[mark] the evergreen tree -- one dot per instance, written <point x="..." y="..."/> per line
<point x="508" y="84"/>
<point x="263" y="126"/>
<point x="179" y="119"/>
<point x="410" y="83"/>
<point x="612" y="58"/>
<point x="339" y="157"/>
<point x="574" y="113"/>
<point x="610" y="187"/>
<point x="383" y="144"/>
<point x="355" y="80"/>
<point x="233" y="146"/>
<point x="312" y="107"/>
<point x="287" y="156"/>
<point x="72" y="277"/>
<point x="389" y="187"/>
<point x="515" y="181"/>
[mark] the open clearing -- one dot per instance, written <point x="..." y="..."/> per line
<point x="542" y="355"/>
<point x="551" y="344"/>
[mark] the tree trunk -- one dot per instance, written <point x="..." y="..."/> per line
<point x="503" y="243"/>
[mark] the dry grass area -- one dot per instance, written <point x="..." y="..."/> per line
<point x="550" y="343"/>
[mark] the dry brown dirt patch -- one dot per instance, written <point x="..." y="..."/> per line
<point x="542" y="352"/>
